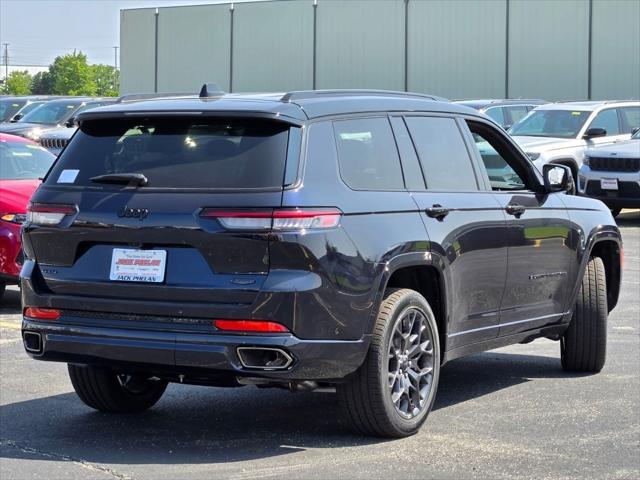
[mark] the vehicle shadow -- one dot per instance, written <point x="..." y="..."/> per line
<point x="10" y="304"/>
<point x="193" y="425"/>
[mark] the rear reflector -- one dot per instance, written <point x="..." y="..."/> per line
<point x="48" y="213"/>
<point x="250" y="326"/>
<point x="42" y="313"/>
<point x="275" y="219"/>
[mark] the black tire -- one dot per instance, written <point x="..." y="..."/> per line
<point x="615" y="212"/>
<point x="366" y="397"/>
<point x="106" y="391"/>
<point x="583" y="347"/>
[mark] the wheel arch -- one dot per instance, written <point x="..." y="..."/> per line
<point x="423" y="273"/>
<point x="611" y="253"/>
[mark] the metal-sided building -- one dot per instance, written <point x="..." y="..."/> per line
<point x="552" y="49"/>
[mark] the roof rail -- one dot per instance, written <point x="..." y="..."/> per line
<point x="211" y="90"/>
<point x="131" y="97"/>
<point x="309" y="94"/>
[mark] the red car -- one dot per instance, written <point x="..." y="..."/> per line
<point x="22" y="164"/>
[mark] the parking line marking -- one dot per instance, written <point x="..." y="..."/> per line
<point x="11" y="325"/>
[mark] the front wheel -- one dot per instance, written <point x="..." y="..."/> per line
<point x="109" y="392"/>
<point x="583" y="347"/>
<point x="393" y="391"/>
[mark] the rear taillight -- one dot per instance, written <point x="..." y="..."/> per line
<point x="275" y="219"/>
<point x="18" y="218"/>
<point x="42" y="313"/>
<point x="49" y="213"/>
<point x="250" y="326"/>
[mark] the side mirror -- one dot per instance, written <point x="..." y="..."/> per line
<point x="507" y="127"/>
<point x="17" y="117"/>
<point x="557" y="178"/>
<point x="70" y="123"/>
<point x="595" y="132"/>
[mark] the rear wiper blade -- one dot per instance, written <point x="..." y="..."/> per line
<point x="131" y="179"/>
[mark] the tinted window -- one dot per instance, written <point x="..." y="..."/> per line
<point x="20" y="161"/>
<point x="607" y="119"/>
<point x="497" y="114"/>
<point x="30" y="107"/>
<point x="442" y="153"/>
<point x="367" y="154"/>
<point x="551" y="123"/>
<point x="516" y="113"/>
<point x="630" y="118"/>
<point x="178" y="153"/>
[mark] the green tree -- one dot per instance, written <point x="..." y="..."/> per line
<point x="107" y="79"/>
<point x="72" y="75"/>
<point x="17" y="83"/>
<point x="42" y="84"/>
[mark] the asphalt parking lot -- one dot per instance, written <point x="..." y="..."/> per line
<point x="508" y="413"/>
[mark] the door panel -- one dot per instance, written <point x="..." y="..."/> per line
<point x="472" y="241"/>
<point x="539" y="261"/>
<point x="466" y="227"/>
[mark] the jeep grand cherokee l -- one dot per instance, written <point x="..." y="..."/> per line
<point x="329" y="238"/>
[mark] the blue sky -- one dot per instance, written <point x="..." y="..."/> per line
<point x="40" y="30"/>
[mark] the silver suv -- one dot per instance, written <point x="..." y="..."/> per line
<point x="612" y="174"/>
<point x="561" y="132"/>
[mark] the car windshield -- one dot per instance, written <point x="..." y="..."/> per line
<point x="177" y="152"/>
<point x="9" y="107"/>
<point x="31" y="107"/>
<point x="51" y="113"/>
<point x="22" y="161"/>
<point x="551" y="123"/>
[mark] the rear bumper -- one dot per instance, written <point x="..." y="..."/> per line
<point x="182" y="353"/>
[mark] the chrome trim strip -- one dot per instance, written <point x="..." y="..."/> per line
<point x="473" y="330"/>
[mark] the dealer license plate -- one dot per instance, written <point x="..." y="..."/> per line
<point x="129" y="265"/>
<point x="609" y="183"/>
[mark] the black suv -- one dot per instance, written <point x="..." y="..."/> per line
<point x="348" y="239"/>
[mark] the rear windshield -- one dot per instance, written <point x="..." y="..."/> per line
<point x="177" y="152"/>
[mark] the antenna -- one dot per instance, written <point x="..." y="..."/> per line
<point x="211" y="90"/>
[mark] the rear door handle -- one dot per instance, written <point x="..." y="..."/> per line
<point x="437" y="211"/>
<point x="515" y="209"/>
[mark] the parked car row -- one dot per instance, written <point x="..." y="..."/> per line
<point x="569" y="133"/>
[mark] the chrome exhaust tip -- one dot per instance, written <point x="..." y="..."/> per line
<point x="32" y="342"/>
<point x="264" y="358"/>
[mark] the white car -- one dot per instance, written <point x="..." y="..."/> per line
<point x="612" y="174"/>
<point x="561" y="132"/>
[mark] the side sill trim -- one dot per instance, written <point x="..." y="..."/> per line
<point x="534" y="319"/>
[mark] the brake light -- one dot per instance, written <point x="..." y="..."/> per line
<point x="49" y="213"/>
<point x="42" y="313"/>
<point x="250" y="326"/>
<point x="18" y="218"/>
<point x="280" y="219"/>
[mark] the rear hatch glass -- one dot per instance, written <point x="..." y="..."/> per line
<point x="177" y="153"/>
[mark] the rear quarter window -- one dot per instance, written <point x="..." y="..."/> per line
<point x="177" y="152"/>
<point x="367" y="154"/>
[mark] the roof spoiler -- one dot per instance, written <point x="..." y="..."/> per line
<point x="209" y="90"/>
